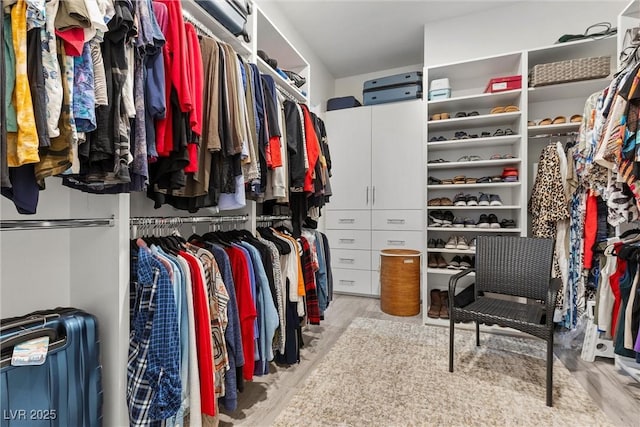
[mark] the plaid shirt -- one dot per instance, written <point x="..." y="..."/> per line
<point x="153" y="373"/>
<point x="313" y="309"/>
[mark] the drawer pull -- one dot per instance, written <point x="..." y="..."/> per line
<point x="348" y="282"/>
<point x="396" y="242"/>
<point x="347" y="260"/>
<point x="395" y="221"/>
<point x="347" y="240"/>
<point x="346" y="220"/>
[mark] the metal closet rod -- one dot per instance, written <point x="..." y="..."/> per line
<point x="187" y="220"/>
<point x="267" y="218"/>
<point x="39" y="224"/>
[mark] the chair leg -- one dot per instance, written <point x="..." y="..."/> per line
<point x="550" y="371"/>
<point x="451" y="336"/>
<point x="477" y="334"/>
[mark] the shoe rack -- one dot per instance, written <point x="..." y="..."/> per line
<point x="477" y="146"/>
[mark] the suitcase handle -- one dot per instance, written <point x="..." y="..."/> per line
<point x="29" y="321"/>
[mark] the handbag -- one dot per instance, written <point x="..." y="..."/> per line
<point x="605" y="30"/>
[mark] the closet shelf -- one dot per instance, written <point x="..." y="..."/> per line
<point x="471" y="186"/>
<point x="280" y="81"/>
<point x="473" y="142"/>
<point x="451" y="251"/>
<point x="473" y="121"/>
<point x="472" y="164"/>
<point x="481" y="100"/>
<point x="475" y="208"/>
<point x="580" y="90"/>
<point x="198" y="13"/>
<point x="552" y="129"/>
<point x="474" y="229"/>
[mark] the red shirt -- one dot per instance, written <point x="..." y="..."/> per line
<point x="246" y="308"/>
<point x="203" y="337"/>
<point x="313" y="149"/>
<point x="196" y="77"/>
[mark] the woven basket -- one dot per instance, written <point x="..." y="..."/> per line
<point x="571" y="70"/>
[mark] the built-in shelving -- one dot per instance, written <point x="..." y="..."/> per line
<point x="191" y="8"/>
<point x="474" y="163"/>
<point x="468" y="186"/>
<point x="473" y="121"/>
<point x="451" y="251"/>
<point x="481" y="100"/>
<point x="478" y="208"/>
<point x="566" y="90"/>
<point x="472" y="142"/>
<point x="552" y="129"/>
<point x="280" y="81"/>
<point x="475" y="229"/>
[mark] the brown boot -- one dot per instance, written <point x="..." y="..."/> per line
<point x="444" y="308"/>
<point x="436" y="304"/>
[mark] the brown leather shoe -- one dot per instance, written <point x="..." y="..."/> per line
<point x="436" y="305"/>
<point x="444" y="307"/>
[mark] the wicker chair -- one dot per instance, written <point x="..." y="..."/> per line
<point x="517" y="267"/>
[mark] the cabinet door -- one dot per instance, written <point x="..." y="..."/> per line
<point x="397" y="155"/>
<point x="349" y="135"/>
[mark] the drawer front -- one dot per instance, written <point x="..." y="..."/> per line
<point x="349" y="239"/>
<point x="348" y="220"/>
<point x="397" y="220"/>
<point x="351" y="281"/>
<point x="397" y="240"/>
<point x="351" y="259"/>
<point x="375" y="283"/>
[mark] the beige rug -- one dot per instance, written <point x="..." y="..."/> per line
<point x="384" y="373"/>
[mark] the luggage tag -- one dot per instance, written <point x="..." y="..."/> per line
<point x="30" y="353"/>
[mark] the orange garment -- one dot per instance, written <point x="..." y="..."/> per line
<point x="22" y="146"/>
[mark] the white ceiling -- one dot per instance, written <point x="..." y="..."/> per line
<point x="361" y="36"/>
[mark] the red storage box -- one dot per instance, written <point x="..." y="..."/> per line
<point x="500" y="84"/>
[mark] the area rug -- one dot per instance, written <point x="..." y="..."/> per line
<point x="387" y="373"/>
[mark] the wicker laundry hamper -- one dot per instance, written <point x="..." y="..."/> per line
<point x="400" y="281"/>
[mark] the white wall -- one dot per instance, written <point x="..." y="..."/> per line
<point x="321" y="79"/>
<point x="352" y="86"/>
<point x="526" y="25"/>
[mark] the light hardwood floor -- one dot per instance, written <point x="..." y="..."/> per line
<point x="264" y="398"/>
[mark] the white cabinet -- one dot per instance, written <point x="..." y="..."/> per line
<point x="396" y="157"/>
<point x="377" y="155"/>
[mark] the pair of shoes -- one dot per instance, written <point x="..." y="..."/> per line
<point x="489" y="200"/>
<point x="558" y="120"/>
<point x="461" y="135"/>
<point x="463" y="114"/>
<point x="439" y="308"/>
<point x="507" y="109"/>
<point x="472" y="244"/>
<point x="438" y="161"/>
<point x="441" y="219"/>
<point x="501" y="156"/>
<point x="469" y="159"/>
<point x="488" y="221"/>
<point x="460" y="263"/>
<point x="437" y="139"/>
<point x="457" y="242"/>
<point x="505" y="132"/>
<point x="440" y="116"/>
<point x="440" y="201"/>
<point x="462" y="199"/>
<point x="436" y="243"/>
<point x="436" y="261"/>
<point x="507" y="223"/>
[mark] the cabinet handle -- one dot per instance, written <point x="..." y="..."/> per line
<point x="346" y="220"/>
<point x="347" y="282"/>
<point x="396" y="242"/>
<point x="347" y="240"/>
<point x="347" y="260"/>
<point x="367" y="194"/>
<point x="395" y="221"/>
<point x="373" y="198"/>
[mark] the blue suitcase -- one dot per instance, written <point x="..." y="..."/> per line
<point x="66" y="390"/>
<point x="232" y="14"/>
<point x="393" y="94"/>
<point x="342" y="103"/>
<point x="404" y="79"/>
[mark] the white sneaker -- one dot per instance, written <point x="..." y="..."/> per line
<point x="452" y="243"/>
<point x="462" y="243"/>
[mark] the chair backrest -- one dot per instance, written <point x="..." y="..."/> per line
<point x="518" y="266"/>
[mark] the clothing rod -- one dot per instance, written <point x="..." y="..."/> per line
<point x="40" y="224"/>
<point x="286" y="93"/>
<point x="199" y="25"/>
<point x="172" y="221"/>
<point x="268" y="218"/>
